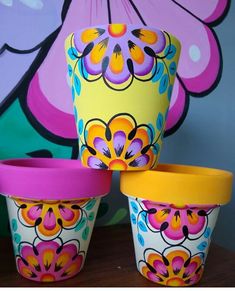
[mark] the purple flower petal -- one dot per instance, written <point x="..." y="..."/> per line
<point x="140" y="161"/>
<point x="101" y="146"/>
<point x="119" y="140"/>
<point x="134" y="148"/>
<point x="96" y="163"/>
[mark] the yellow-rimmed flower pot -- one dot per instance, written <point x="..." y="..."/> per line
<point x="173" y="212"/>
<point x="121" y="77"/>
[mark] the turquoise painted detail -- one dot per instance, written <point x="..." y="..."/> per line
<point x="170" y="51"/>
<point x="17" y="238"/>
<point x="134" y="207"/>
<point x="202" y="246"/>
<point x="80" y="126"/>
<point x="81" y="224"/>
<point x="151" y="132"/>
<point x="207" y="233"/>
<point x="169" y="92"/>
<point x="140" y="239"/>
<point x="163" y="84"/>
<point x="142" y="226"/>
<point x="85" y="233"/>
<point x="143" y="216"/>
<point x="70" y="70"/>
<point x="159" y="72"/>
<point x="172" y="68"/>
<point x="14" y="224"/>
<point x="91" y="216"/>
<point x="77" y="84"/>
<point x="71" y="53"/>
<point x="160" y="120"/>
<point x="90" y="204"/>
<point x="156" y="149"/>
<point x="133" y="218"/>
<point x="73" y="93"/>
<point x="75" y="114"/>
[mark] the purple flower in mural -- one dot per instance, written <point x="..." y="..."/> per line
<point x="49" y="96"/>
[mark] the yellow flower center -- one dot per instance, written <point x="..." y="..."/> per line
<point x="175" y="281"/>
<point x="47" y="278"/>
<point x="117" y="30"/>
<point x="117" y="165"/>
<point x="180" y="206"/>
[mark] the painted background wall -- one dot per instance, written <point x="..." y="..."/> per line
<point x="36" y="115"/>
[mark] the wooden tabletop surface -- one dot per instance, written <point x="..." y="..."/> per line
<point x="110" y="263"/>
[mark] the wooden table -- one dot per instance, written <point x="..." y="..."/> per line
<point x="110" y="263"/>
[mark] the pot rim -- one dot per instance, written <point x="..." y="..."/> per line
<point x="52" y="179"/>
<point x="179" y="184"/>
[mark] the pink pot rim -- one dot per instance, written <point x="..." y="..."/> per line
<point x="52" y="179"/>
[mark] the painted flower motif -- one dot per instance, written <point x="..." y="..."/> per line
<point x="118" y="51"/>
<point x="176" y="221"/>
<point x="177" y="268"/>
<point x="48" y="261"/>
<point x="109" y="147"/>
<point x="50" y="218"/>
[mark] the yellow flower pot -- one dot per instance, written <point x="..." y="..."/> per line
<point x="121" y="77"/>
<point x="173" y="211"/>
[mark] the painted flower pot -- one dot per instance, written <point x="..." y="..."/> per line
<point x="121" y="77"/>
<point x="173" y="212"/>
<point x="52" y="206"/>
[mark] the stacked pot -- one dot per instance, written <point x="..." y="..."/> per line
<point x="121" y="79"/>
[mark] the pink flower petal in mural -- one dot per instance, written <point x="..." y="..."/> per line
<point x="197" y="71"/>
<point x="210" y="12"/>
<point x="49" y="96"/>
<point x="178" y="105"/>
<point x="200" y="60"/>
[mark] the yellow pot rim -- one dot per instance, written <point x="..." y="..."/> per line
<point x="179" y="184"/>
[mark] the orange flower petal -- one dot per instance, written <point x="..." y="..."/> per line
<point x="136" y="52"/>
<point x="117" y="60"/>
<point x="47" y="258"/>
<point x="147" y="36"/>
<point x="99" y="51"/>
<point x="175" y="222"/>
<point x="193" y="218"/>
<point x="91" y="34"/>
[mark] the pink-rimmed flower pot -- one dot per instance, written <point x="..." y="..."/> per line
<point x="121" y="78"/>
<point x="52" y="206"/>
<point x="173" y="212"/>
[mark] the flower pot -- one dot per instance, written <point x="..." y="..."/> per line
<point x="173" y="212"/>
<point x="52" y="206"/>
<point x="121" y="77"/>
